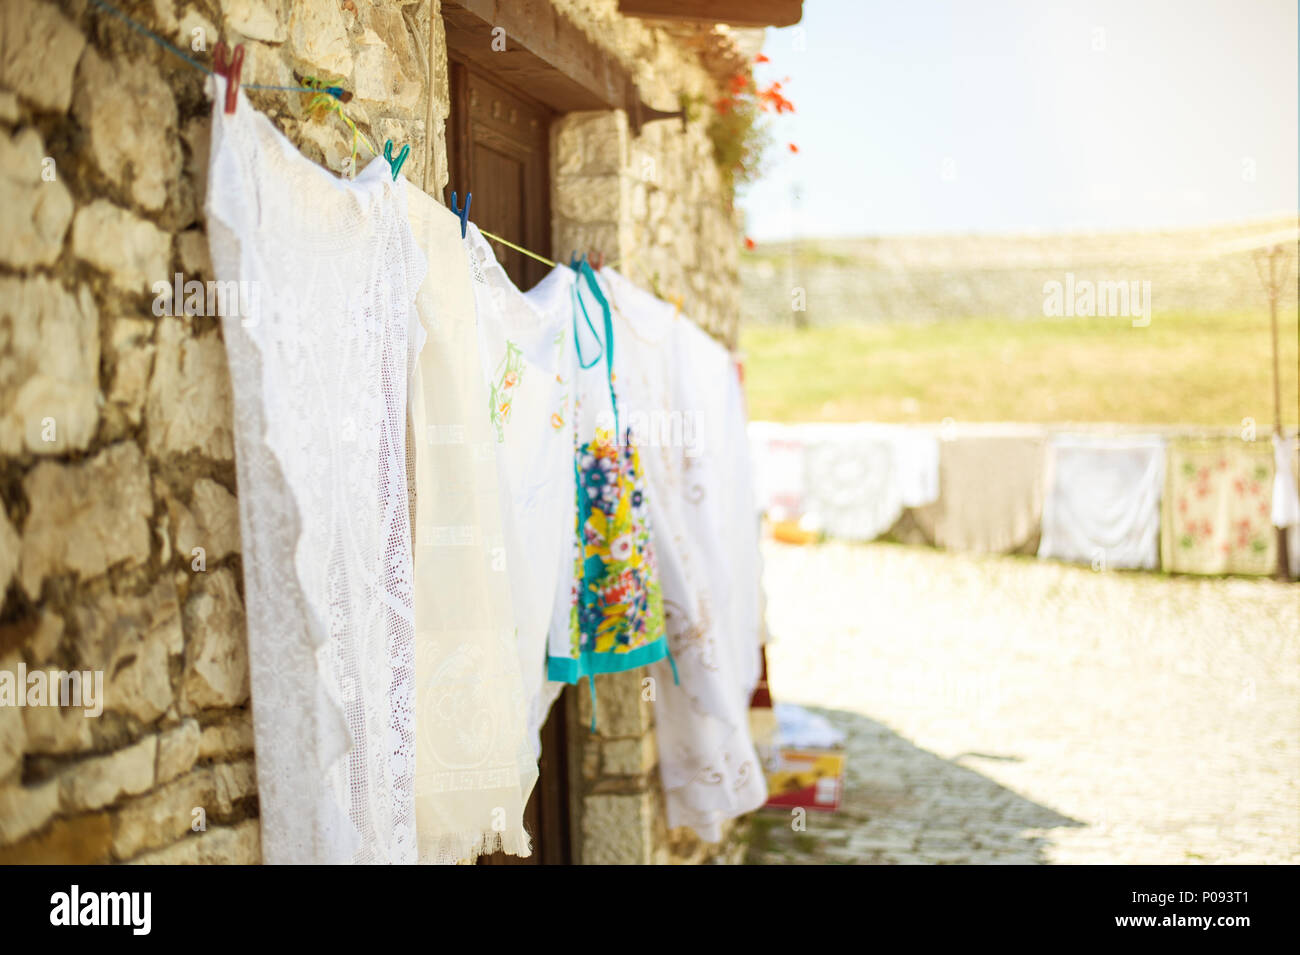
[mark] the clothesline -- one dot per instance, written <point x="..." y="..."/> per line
<point x="321" y="93"/>
<point x="336" y="91"/>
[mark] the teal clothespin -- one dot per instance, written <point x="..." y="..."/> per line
<point x="401" y="157"/>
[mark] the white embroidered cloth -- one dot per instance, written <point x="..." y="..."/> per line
<point x="680" y="394"/>
<point x="318" y="363"/>
<point x="859" y="478"/>
<point x="1103" y="500"/>
<point x="475" y="767"/>
<point x="526" y="356"/>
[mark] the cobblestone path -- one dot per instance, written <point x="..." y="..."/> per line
<point x="1007" y="710"/>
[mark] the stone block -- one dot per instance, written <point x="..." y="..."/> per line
<point x="133" y="252"/>
<point x="224" y="740"/>
<point x="132" y="639"/>
<point x="85" y="517"/>
<point x="628" y="757"/>
<point x="211" y="522"/>
<point x="616" y="829"/>
<point x="37" y="210"/>
<point x="620" y="709"/>
<point x="216" y="646"/>
<point x="178" y="751"/>
<point x="318" y="37"/>
<point x="49" y="367"/>
<point x="39" y="50"/>
<point x="25" y="809"/>
<point x="161" y="817"/>
<point x="131" y="343"/>
<point x="136" y="148"/>
<point x="101" y="780"/>
<point x="258" y="19"/>
<point x="189" y="407"/>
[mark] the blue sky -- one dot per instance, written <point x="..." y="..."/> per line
<point x="1014" y="115"/>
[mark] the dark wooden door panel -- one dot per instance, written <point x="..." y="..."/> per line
<point x="499" y="149"/>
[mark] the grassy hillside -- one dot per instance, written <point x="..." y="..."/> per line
<point x="1183" y="369"/>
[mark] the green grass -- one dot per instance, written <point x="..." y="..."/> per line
<point x="1182" y="369"/>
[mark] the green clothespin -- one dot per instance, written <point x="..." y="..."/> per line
<point x="401" y="157"/>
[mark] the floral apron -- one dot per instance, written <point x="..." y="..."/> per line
<point x="616" y="616"/>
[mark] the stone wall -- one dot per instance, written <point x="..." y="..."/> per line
<point x="119" y="536"/>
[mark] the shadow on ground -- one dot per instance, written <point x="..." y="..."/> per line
<point x="905" y="805"/>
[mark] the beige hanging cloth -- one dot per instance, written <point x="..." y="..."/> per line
<point x="990" y="494"/>
<point x="474" y="767"/>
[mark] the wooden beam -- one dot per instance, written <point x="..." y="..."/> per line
<point x="545" y="55"/>
<point x="739" y="13"/>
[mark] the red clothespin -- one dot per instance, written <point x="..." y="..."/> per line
<point x="597" y="259"/>
<point x="231" y="70"/>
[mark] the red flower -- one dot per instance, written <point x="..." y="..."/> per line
<point x="761" y="58"/>
<point x="793" y="148"/>
<point x="749" y="243"/>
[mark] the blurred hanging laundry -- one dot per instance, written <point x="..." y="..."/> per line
<point x="858" y="478"/>
<point x="990" y="493"/>
<point x="1217" y="512"/>
<point x="1103" y="500"/>
<point x="777" y="451"/>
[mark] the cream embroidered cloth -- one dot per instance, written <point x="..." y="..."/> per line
<point x="318" y="349"/>
<point x="474" y="767"/>
<point x="1103" y="500"/>
<point x="990" y="494"/>
<point x="1216" y="515"/>
<point x="526" y="357"/>
<point x="680" y="394"/>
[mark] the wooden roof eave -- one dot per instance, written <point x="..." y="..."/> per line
<point x="546" y="56"/>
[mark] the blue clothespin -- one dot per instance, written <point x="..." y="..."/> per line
<point x="574" y="261"/>
<point x="463" y="213"/>
<point x="401" y="157"/>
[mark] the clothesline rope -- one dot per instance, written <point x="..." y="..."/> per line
<point x="334" y="91"/>
<point x="328" y="98"/>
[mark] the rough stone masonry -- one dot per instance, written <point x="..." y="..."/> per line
<point x="119" y="538"/>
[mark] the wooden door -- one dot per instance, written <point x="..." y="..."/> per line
<point x="498" y="148"/>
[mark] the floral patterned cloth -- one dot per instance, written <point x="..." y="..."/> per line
<point x="618" y="607"/>
<point x="1217" y="508"/>
<point x="616" y="614"/>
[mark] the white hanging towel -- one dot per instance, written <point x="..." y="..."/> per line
<point x="680" y="394"/>
<point x="859" y="478"/>
<point x="1286" y="502"/>
<point x="475" y="767"/>
<point x="526" y="358"/>
<point x="318" y="357"/>
<point x="777" y="452"/>
<point x="1103" y="500"/>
